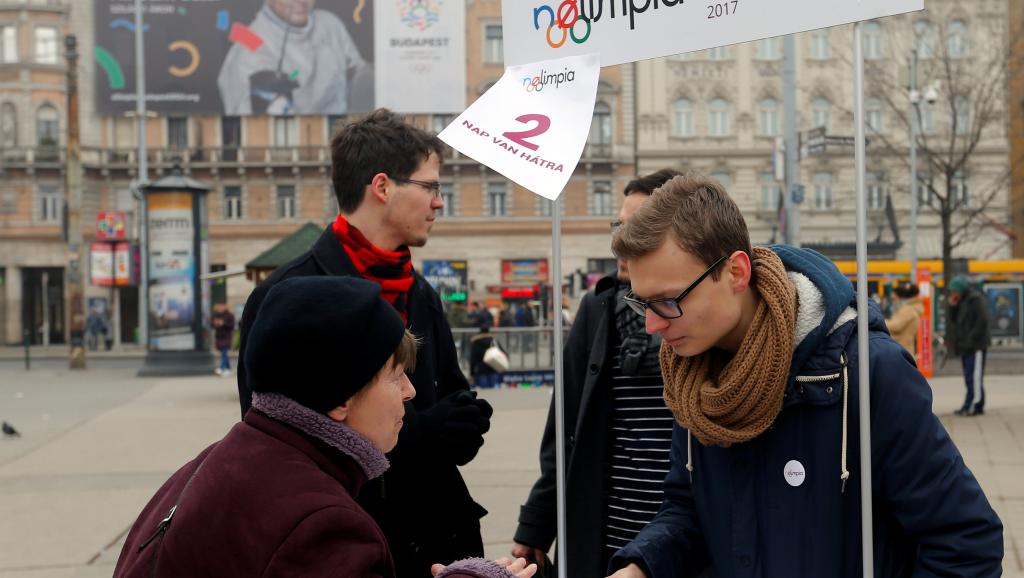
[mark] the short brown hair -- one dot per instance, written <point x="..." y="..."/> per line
<point x="704" y="221"/>
<point x="405" y="353"/>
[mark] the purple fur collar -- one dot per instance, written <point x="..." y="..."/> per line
<point x="335" y="434"/>
<point x="476" y="567"/>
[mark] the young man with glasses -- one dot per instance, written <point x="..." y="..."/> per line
<point x="386" y="175"/>
<point x="760" y="365"/>
<point x="616" y="424"/>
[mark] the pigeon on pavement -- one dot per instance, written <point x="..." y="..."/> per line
<point x="9" y="430"/>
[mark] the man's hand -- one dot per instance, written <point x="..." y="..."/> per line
<point x="631" y="571"/>
<point x="518" y="567"/>
<point x="530" y="553"/>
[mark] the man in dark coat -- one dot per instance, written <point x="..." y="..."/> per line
<point x="386" y="178"/>
<point x="276" y="496"/>
<point x="761" y="367"/>
<point x="611" y="372"/>
<point x="968" y="315"/>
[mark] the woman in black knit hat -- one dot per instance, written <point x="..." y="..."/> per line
<point x="276" y="496"/>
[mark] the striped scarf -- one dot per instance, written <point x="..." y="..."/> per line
<point x="392" y="270"/>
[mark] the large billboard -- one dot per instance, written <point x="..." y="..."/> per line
<point x="238" y="57"/>
<point x="449" y="278"/>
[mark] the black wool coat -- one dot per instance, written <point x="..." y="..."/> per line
<point x="422" y="503"/>
<point x="587" y="369"/>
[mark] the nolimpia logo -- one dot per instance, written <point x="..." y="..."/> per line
<point x="419" y="14"/>
<point x="545" y="79"/>
<point x="794" y="472"/>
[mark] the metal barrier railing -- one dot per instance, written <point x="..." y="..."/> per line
<point x="528" y="348"/>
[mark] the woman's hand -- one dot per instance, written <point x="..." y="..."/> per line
<point x="518" y="567"/>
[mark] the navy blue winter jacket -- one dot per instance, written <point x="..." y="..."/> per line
<point x="740" y="514"/>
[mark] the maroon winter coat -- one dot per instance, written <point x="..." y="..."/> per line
<point x="267" y="500"/>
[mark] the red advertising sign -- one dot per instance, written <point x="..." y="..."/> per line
<point x="122" y="264"/>
<point x="524" y="271"/>
<point x="101" y="264"/>
<point x="111" y="225"/>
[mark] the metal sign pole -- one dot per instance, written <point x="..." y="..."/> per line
<point x="863" y="359"/>
<point x="143" y="175"/>
<point x="556" y="346"/>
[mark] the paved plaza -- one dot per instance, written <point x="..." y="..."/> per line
<point x="96" y="444"/>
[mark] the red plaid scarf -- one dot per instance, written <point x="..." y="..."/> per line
<point x="392" y="270"/>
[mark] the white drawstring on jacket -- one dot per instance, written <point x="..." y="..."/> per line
<point x="844" y="474"/>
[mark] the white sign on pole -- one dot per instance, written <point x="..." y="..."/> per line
<point x="420" y="53"/>
<point x="532" y="125"/>
<point x="631" y="30"/>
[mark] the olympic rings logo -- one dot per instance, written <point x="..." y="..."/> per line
<point x="564" y="19"/>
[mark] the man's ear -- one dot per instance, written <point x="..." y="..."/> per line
<point x="340" y="413"/>
<point x="740" y="270"/>
<point x="378" y="188"/>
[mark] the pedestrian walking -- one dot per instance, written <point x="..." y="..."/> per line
<point x="481" y="372"/>
<point x="904" y="323"/>
<point x="386" y="176"/>
<point x="619" y="427"/>
<point x="968" y="317"/>
<point x="276" y="495"/>
<point x="760" y="362"/>
<point x="223" y="333"/>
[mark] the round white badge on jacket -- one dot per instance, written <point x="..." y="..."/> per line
<point x="794" y="473"/>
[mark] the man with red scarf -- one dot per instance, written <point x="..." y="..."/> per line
<point x="386" y="178"/>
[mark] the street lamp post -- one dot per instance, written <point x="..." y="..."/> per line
<point x="930" y="96"/>
<point x="915" y="99"/>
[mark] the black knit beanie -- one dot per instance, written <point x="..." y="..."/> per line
<point x="319" y="340"/>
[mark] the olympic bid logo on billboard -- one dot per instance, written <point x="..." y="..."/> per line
<point x="420" y="14"/>
<point x="563" y="22"/>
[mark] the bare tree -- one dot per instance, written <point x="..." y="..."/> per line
<point x="969" y="70"/>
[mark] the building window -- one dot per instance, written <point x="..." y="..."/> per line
<point x="496" y="199"/>
<point x="956" y="39"/>
<point x="924" y="38"/>
<point x="8" y="125"/>
<point x="50" y="204"/>
<point x="961" y="115"/>
<point x="286" y="201"/>
<point x="823" y="191"/>
<point x="448" y="196"/>
<point x="769" y="48"/>
<point x="285" y="131"/>
<point x="820" y="48"/>
<point x="770" y="191"/>
<point x="494" y="52"/>
<point x="177" y="132"/>
<point x="723" y="178"/>
<point x="718" y="53"/>
<point x="768" y="114"/>
<point x="8" y="43"/>
<point x="874" y="117"/>
<point x="438" y="122"/>
<point x="232" y="202"/>
<point x="718" y="118"/>
<point x="682" y="124"/>
<point x="927" y="118"/>
<point x="821" y="114"/>
<point x="601" y="126"/>
<point x="876" y="190"/>
<point x="47" y="45"/>
<point x="602" y="198"/>
<point x="960" y="195"/>
<point x="47" y="126"/>
<point x="334" y="124"/>
<point x="872" y="39"/>
<point x="925" y="195"/>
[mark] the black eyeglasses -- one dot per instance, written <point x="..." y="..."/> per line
<point x="433" y="186"/>
<point x="668" y="307"/>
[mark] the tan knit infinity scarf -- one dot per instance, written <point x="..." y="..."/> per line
<point x="745" y="397"/>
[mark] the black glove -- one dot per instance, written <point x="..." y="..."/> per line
<point x="458" y="423"/>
